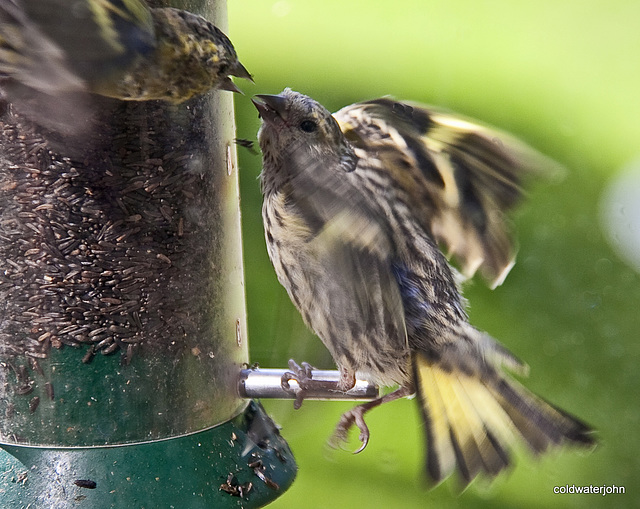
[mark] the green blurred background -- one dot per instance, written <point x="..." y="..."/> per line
<point x="564" y="75"/>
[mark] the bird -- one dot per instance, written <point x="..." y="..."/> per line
<point x="359" y="209"/>
<point x="121" y="49"/>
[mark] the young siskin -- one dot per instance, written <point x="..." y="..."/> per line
<point x="115" y="48"/>
<point x="355" y="207"/>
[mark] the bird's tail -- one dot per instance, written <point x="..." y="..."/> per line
<point x="473" y="416"/>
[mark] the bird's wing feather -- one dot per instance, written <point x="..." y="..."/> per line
<point x="354" y="250"/>
<point x="458" y="176"/>
<point x="53" y="48"/>
<point x="29" y="56"/>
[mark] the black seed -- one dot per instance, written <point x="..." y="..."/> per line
<point x="49" y="388"/>
<point x="22" y="374"/>
<point x="33" y="404"/>
<point x="88" y="357"/>
<point x="33" y="363"/>
<point x="99" y="248"/>
<point x="85" y="483"/>
<point x="23" y="390"/>
<point x="110" y="349"/>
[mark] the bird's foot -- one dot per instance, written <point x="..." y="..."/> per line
<point x="348" y="419"/>
<point x="302" y="375"/>
<point x="356" y="416"/>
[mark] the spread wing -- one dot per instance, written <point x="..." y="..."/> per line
<point x="458" y="177"/>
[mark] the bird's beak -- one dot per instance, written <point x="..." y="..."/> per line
<point x="240" y="71"/>
<point x="227" y="84"/>
<point x="270" y="107"/>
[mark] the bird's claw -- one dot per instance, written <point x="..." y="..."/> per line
<point x="348" y="419"/>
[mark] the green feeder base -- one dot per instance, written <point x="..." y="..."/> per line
<point x="241" y="463"/>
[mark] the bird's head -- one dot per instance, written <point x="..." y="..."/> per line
<point x="299" y="134"/>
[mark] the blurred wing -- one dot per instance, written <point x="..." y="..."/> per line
<point x="457" y="176"/>
<point x="53" y="46"/>
<point x="364" y="303"/>
<point x="352" y="250"/>
<point x="53" y="52"/>
<point x="30" y="57"/>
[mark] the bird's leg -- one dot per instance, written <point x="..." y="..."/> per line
<point x="356" y="416"/>
<point x="307" y="385"/>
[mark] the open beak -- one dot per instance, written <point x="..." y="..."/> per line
<point x="270" y="107"/>
<point x="227" y="84"/>
<point x="239" y="71"/>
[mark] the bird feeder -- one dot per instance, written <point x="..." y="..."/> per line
<point x="122" y="312"/>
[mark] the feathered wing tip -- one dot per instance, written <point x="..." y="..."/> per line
<point x="459" y="176"/>
<point x="471" y="423"/>
<point x="483" y="172"/>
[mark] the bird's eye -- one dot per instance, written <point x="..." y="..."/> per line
<point x="308" y="126"/>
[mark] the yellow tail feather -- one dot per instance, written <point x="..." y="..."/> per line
<point x="472" y="422"/>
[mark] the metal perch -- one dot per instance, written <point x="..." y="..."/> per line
<point x="267" y="383"/>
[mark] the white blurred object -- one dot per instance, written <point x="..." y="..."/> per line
<point x="620" y="214"/>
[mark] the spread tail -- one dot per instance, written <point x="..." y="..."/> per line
<point x="472" y="420"/>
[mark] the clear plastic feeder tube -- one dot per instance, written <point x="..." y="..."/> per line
<point x="122" y="314"/>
